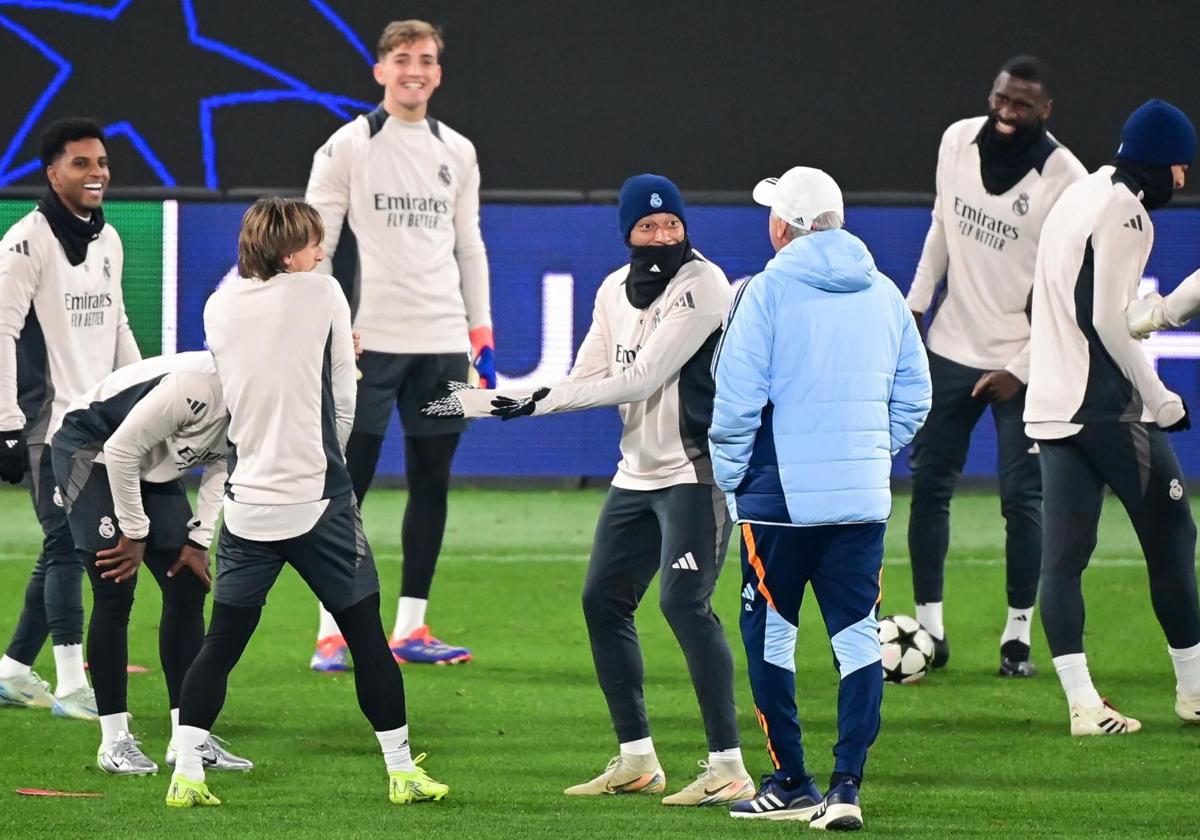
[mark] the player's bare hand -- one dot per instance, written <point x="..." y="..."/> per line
<point x="196" y="561"/>
<point x="121" y="563"/>
<point x="997" y="386"/>
<point x="357" y="336"/>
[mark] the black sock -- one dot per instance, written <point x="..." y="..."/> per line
<point x="427" y="469"/>
<point x="377" y="679"/>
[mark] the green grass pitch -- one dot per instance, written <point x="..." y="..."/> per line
<point x="963" y="754"/>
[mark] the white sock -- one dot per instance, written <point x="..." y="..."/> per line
<point x="1187" y="669"/>
<point x="396" y="752"/>
<point x="189" y="763"/>
<point x="1019" y="626"/>
<point x="410" y="615"/>
<point x="174" y="728"/>
<point x="642" y="746"/>
<point x="1076" y="680"/>
<point x="10" y="668"/>
<point x="68" y="669"/>
<point x="328" y="625"/>
<point x="929" y="616"/>
<point x="111" y="726"/>
<point x="734" y="754"/>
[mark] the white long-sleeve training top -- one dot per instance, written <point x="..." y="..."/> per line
<point x="985" y="246"/>
<point x="410" y="192"/>
<point x="154" y="421"/>
<point x="1085" y="367"/>
<point x="62" y="327"/>
<point x="285" y="357"/>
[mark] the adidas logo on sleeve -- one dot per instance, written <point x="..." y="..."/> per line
<point x="1135" y="223"/>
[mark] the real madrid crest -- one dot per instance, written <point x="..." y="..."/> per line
<point x="444" y="175"/>
<point x="1021" y="205"/>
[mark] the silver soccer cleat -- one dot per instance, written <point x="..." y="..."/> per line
<point x="125" y="758"/>
<point x="215" y="756"/>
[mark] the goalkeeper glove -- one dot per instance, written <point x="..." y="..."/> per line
<point x="483" y="356"/>
<point x="506" y="408"/>
<point x="14" y="458"/>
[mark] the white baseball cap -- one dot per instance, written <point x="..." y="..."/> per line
<point x="800" y="195"/>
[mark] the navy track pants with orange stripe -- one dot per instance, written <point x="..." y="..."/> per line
<point x="842" y="563"/>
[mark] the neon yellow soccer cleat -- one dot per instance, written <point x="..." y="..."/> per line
<point x="184" y="793"/>
<point x="408" y="786"/>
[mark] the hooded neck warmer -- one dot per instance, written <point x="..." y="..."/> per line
<point x="1155" y="181"/>
<point x="1004" y="159"/>
<point x="651" y="268"/>
<point x="72" y="232"/>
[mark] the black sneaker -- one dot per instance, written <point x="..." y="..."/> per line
<point x="1014" y="660"/>
<point x="941" y="651"/>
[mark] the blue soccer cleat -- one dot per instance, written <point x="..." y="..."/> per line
<point x="422" y="647"/>
<point x="331" y="654"/>
<point x="775" y="802"/>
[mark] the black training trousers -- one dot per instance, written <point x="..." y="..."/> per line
<point x="1136" y="461"/>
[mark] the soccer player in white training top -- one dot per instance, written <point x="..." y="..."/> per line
<point x="118" y="457"/>
<point x="1101" y="414"/>
<point x="408" y="185"/>
<point x="997" y="178"/>
<point x="62" y="329"/>
<point x="280" y="337"/>
<point x="649" y="351"/>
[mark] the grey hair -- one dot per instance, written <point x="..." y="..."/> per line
<point x="829" y="220"/>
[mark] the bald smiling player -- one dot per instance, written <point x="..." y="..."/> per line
<point x="997" y="178"/>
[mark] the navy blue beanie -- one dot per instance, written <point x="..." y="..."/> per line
<point x="1158" y="134"/>
<point x="643" y="195"/>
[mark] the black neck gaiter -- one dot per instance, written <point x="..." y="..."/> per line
<point x="72" y="232"/>
<point x="651" y="268"/>
<point x="1004" y="159"/>
<point x="1155" y="182"/>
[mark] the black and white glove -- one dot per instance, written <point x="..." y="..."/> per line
<point x="447" y="405"/>
<point x="506" y="408"/>
<point x="14" y="456"/>
<point x="1183" y="423"/>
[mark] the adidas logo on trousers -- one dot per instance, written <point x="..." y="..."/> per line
<point x="686" y="562"/>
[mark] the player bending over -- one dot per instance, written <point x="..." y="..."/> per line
<point x="280" y="337"/>
<point x="648" y="351"/>
<point x="1100" y="412"/>
<point x="118" y="459"/>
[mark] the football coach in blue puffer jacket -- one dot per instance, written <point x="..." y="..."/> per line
<point x="821" y="378"/>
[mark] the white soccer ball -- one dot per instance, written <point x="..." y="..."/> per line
<point x="906" y="647"/>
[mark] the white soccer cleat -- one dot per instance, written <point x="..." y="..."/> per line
<point x="27" y="690"/>
<point x="79" y="704"/>
<point x="720" y="783"/>
<point x="625" y="774"/>
<point x="1101" y="720"/>
<point x="1188" y="708"/>
<point x="214" y="756"/>
<point x="125" y="758"/>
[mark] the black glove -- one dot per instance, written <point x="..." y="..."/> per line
<point x="14" y="457"/>
<point x="506" y="408"/>
<point x="1183" y="423"/>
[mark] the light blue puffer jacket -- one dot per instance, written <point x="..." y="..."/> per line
<point x="821" y="378"/>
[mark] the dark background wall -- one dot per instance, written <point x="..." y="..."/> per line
<point x="567" y="95"/>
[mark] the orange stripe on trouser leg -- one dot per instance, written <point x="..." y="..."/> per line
<point x="879" y="597"/>
<point x="756" y="563"/>
<point x="762" y="721"/>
